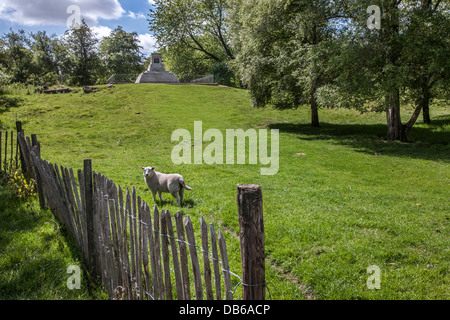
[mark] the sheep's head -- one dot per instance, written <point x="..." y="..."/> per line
<point x="148" y="171"/>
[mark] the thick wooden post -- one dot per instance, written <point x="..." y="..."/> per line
<point x="89" y="208"/>
<point x="251" y="232"/>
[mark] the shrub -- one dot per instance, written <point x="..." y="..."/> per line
<point x="22" y="188"/>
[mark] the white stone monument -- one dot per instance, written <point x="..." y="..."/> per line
<point x="156" y="73"/>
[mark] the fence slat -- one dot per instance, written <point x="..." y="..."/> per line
<point x="175" y="260"/>
<point x="36" y="148"/>
<point x="85" y="250"/>
<point x="183" y="257"/>
<point x="145" y="259"/>
<point x="106" y="232"/>
<point x="74" y="213"/>
<point x="115" y="226"/>
<point x="79" y="209"/>
<point x="194" y="258"/>
<point x="166" y="257"/>
<point x="206" y="265"/>
<point x="12" y="152"/>
<point x="112" y="202"/>
<point x="64" y="203"/>
<point x="56" y="194"/>
<point x="124" y="244"/>
<point x="157" y="247"/>
<point x="75" y="189"/>
<point x="129" y="214"/>
<point x="215" y="258"/>
<point x="225" y="267"/>
<point x="137" y="270"/>
<point x="48" y="186"/>
<point x="138" y="235"/>
<point x="89" y="214"/>
<point x="6" y="152"/>
<point x="151" y="245"/>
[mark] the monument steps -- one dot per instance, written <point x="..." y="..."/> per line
<point x="156" y="72"/>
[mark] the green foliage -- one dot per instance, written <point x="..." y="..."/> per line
<point x="35" y="253"/>
<point x="120" y="52"/>
<point x="285" y="49"/>
<point x="194" y="37"/>
<point x="81" y="45"/>
<point x="223" y="74"/>
<point x="289" y="53"/>
<point x="22" y="188"/>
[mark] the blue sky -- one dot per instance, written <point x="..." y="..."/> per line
<point x="101" y="15"/>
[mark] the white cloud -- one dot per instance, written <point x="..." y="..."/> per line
<point x="148" y="42"/>
<point x="151" y="2"/>
<point x="54" y="12"/>
<point x="134" y="15"/>
<point x="101" y="31"/>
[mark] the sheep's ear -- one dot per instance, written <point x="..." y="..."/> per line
<point x="142" y="168"/>
<point x="153" y="168"/>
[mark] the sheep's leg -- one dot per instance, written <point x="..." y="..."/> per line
<point x="154" y="196"/>
<point x="175" y="195"/>
<point x="160" y="198"/>
<point x="181" y="195"/>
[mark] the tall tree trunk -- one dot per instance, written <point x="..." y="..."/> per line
<point x="424" y="101"/>
<point x="394" y="122"/>
<point x="395" y="129"/>
<point x="426" y="113"/>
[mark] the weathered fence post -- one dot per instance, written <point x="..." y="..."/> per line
<point x="22" y="161"/>
<point x="251" y="232"/>
<point x="35" y="143"/>
<point x="89" y="208"/>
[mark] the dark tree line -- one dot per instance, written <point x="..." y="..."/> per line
<point x="77" y="58"/>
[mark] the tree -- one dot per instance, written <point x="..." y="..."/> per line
<point x="18" y="56"/>
<point x="401" y="61"/>
<point x="425" y="53"/>
<point x="283" y="48"/>
<point x="84" y="60"/>
<point x="194" y="33"/>
<point x="46" y="64"/>
<point x="120" y="52"/>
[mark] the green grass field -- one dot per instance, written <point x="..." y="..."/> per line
<point x="351" y="201"/>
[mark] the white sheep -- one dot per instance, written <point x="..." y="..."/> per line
<point x="161" y="182"/>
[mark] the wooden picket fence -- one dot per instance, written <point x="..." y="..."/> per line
<point x="9" y="153"/>
<point x="135" y="250"/>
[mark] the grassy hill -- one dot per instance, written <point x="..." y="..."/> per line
<point x="343" y="199"/>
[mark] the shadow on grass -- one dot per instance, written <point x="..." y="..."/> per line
<point x="6" y="103"/>
<point x="187" y="203"/>
<point x="430" y="142"/>
<point x="26" y="270"/>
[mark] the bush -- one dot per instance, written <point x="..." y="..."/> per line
<point x="21" y="187"/>
<point x="223" y="74"/>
